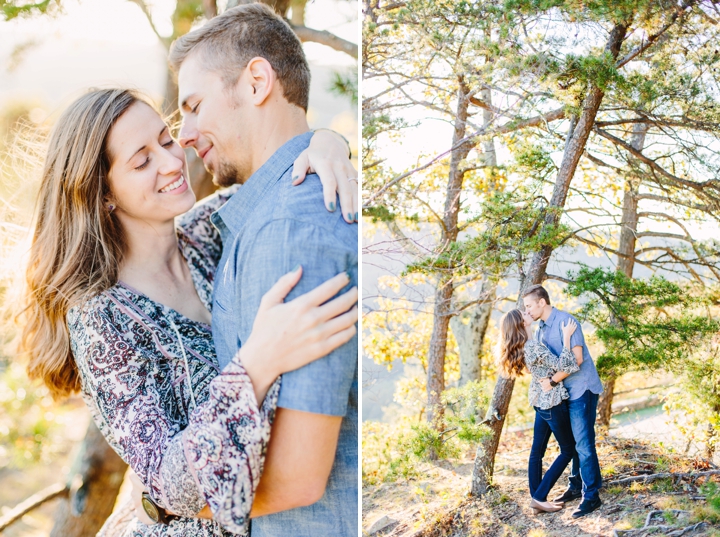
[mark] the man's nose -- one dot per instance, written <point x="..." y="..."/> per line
<point x="188" y="136"/>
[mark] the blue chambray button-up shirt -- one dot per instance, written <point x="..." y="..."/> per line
<point x="268" y="227"/>
<point x="550" y="334"/>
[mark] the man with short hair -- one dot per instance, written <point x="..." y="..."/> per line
<point x="243" y="92"/>
<point x="584" y="388"/>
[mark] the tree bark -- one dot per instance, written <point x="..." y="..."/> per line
<point x="436" y="352"/>
<point x="445" y="285"/>
<point x="625" y="263"/>
<point x="305" y="34"/>
<point x="470" y="337"/>
<point x="711" y="440"/>
<point x="574" y="148"/>
<point x="298" y="12"/>
<point x="94" y="485"/>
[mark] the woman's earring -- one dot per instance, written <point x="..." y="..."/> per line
<point x="110" y="207"/>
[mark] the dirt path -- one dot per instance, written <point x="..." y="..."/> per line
<point x="438" y="504"/>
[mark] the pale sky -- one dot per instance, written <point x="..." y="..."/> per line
<point x="432" y="135"/>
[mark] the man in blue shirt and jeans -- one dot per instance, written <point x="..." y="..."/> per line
<point x="244" y="84"/>
<point x="584" y="388"/>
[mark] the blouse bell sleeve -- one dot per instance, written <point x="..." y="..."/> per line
<point x="566" y="362"/>
<point x="129" y="392"/>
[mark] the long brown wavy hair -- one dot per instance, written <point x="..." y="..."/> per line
<point x="78" y="243"/>
<point x="511" y="345"/>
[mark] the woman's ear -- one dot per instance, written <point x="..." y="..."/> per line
<point x="109" y="203"/>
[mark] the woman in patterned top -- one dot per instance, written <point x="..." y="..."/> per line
<point x="118" y="306"/>
<point x="520" y="352"/>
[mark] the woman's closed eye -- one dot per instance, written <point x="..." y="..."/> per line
<point x="167" y="144"/>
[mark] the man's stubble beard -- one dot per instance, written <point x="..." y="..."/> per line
<point x="228" y="174"/>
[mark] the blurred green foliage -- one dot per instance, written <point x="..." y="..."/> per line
<point x="394" y="451"/>
<point x="31" y="423"/>
<point x="643" y="323"/>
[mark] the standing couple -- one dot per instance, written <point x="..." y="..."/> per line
<point x="250" y="412"/>
<point x="564" y="389"/>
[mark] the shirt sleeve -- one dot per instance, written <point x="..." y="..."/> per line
<point x="323" y="386"/>
<point x="577" y="339"/>
<point x="216" y="460"/>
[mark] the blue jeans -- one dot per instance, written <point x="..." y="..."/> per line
<point x="585" y="470"/>
<point x="555" y="420"/>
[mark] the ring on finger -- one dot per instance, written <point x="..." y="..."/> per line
<point x="352" y="179"/>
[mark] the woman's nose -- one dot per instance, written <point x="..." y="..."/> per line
<point x="171" y="163"/>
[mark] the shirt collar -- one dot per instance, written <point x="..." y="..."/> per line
<point x="550" y="320"/>
<point x="236" y="212"/>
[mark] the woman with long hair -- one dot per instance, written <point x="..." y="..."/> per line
<point x="519" y="352"/>
<point x="118" y="306"/>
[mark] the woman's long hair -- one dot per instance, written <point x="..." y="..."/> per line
<point x="78" y="243"/>
<point x="511" y="345"/>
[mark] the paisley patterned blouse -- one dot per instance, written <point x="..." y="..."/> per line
<point x="151" y="380"/>
<point x="542" y="363"/>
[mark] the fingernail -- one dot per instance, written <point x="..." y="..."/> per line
<point x="347" y="274"/>
<point x="350" y="217"/>
<point x="356" y="216"/>
<point x="332" y="206"/>
<point x="296" y="268"/>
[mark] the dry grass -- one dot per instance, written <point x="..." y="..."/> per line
<point x="438" y="505"/>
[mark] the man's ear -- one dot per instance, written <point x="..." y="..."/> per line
<point x="262" y="79"/>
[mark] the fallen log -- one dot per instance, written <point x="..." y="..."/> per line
<point x="665" y="475"/>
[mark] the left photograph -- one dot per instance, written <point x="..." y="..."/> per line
<point x="179" y="268"/>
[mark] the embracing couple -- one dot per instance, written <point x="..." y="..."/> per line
<point x="564" y="390"/>
<point x="214" y="343"/>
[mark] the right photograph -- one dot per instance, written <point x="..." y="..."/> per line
<point x="540" y="268"/>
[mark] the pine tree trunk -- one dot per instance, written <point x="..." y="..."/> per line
<point x="625" y="263"/>
<point x="484" y="465"/>
<point x="445" y="285"/>
<point x="470" y="337"/>
<point x="574" y="148"/>
<point x="94" y="485"/>
<point x="436" y="354"/>
<point x="605" y="401"/>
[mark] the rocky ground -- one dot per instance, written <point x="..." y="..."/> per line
<point x="660" y="496"/>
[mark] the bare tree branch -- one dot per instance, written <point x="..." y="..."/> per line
<point x="33" y="502"/>
<point x="146" y="11"/>
<point x="503" y="129"/>
<point x="653" y="38"/>
<point x="326" y="38"/>
<point x="679" y="181"/>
